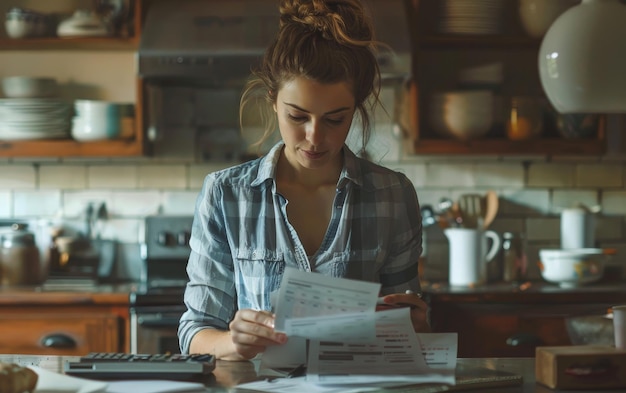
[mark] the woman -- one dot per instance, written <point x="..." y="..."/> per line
<point x="310" y="202"/>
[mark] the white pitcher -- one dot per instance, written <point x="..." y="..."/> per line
<point x="469" y="254"/>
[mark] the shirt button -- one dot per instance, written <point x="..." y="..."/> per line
<point x="253" y="254"/>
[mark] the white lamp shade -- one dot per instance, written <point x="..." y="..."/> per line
<point x="582" y="59"/>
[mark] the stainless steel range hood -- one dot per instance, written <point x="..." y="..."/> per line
<point x="219" y="40"/>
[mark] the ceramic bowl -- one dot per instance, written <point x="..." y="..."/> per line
<point x="29" y="87"/>
<point x="572" y="267"/>
<point x="463" y="115"/>
<point x="96" y="120"/>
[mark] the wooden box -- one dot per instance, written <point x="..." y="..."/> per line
<point x="581" y="367"/>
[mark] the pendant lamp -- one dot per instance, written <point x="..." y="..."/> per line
<point x="582" y="58"/>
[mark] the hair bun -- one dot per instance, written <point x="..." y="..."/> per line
<point x="342" y="20"/>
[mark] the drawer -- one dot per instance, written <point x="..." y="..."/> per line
<point x="59" y="334"/>
<point x="507" y="330"/>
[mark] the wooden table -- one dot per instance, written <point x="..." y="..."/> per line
<point x="229" y="374"/>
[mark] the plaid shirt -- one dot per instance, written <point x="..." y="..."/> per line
<point x="241" y="239"/>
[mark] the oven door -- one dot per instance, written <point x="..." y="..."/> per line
<point x="154" y="329"/>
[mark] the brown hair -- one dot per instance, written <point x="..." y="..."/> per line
<point x="327" y="41"/>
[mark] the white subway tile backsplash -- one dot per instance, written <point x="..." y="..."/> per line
<point x="543" y="229"/>
<point x="136" y="203"/>
<point x="125" y="230"/>
<point x="162" y="176"/>
<point x="499" y="175"/>
<point x="179" y="202"/>
<point x="551" y="175"/>
<point x="614" y="202"/>
<point x="6" y="207"/>
<point x="600" y="175"/>
<point x="197" y="173"/>
<point x="17" y="177"/>
<point x="524" y="202"/>
<point x="46" y="203"/>
<point x="385" y="144"/>
<point x="75" y="202"/>
<point x="62" y="177"/>
<point x="415" y="172"/>
<point x="112" y="176"/>
<point x="449" y="175"/>
<point x="431" y="196"/>
<point x="564" y="198"/>
<point x="609" y="228"/>
<point x="514" y="225"/>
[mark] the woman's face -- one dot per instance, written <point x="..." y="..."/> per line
<point x="314" y="120"/>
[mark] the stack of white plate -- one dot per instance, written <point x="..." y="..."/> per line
<point x="471" y="16"/>
<point x="34" y="118"/>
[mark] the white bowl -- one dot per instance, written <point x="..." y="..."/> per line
<point x="572" y="267"/>
<point x="87" y="131"/>
<point x="29" y="87"/>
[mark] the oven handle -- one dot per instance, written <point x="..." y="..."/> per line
<point x="158" y="322"/>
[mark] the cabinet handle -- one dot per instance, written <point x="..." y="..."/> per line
<point x="524" y="340"/>
<point x="60" y="341"/>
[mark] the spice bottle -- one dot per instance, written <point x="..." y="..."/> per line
<point x="513" y="257"/>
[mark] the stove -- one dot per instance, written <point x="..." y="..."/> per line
<point x="157" y="304"/>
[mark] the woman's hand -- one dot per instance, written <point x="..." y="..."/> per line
<point x="419" y="309"/>
<point x="252" y="331"/>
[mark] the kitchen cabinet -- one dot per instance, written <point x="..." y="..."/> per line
<point x="442" y="61"/>
<point x="504" y="321"/>
<point x="63" y="323"/>
<point x="134" y="146"/>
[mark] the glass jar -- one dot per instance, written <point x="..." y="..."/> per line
<point x="19" y="257"/>
<point x="514" y="261"/>
<point x="525" y="120"/>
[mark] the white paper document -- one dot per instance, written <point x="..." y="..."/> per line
<point x="350" y="344"/>
<point x="435" y="347"/>
<point x="308" y="295"/>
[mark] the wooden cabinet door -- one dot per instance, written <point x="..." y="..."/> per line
<point x="507" y="330"/>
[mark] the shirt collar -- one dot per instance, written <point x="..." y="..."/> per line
<point x="267" y="168"/>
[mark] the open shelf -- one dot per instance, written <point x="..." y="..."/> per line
<point x="71" y="148"/>
<point x="74" y="43"/>
<point x="542" y="146"/>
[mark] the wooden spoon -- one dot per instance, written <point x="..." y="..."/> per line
<point x="491" y="208"/>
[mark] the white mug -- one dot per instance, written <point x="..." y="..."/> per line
<point x="469" y="255"/>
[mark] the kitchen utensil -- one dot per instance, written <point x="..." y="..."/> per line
<point x="448" y="212"/>
<point x="490" y="208"/>
<point x="572" y="267"/>
<point x="471" y="210"/>
<point x="469" y="255"/>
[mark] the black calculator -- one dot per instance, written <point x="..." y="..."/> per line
<point x="109" y="365"/>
